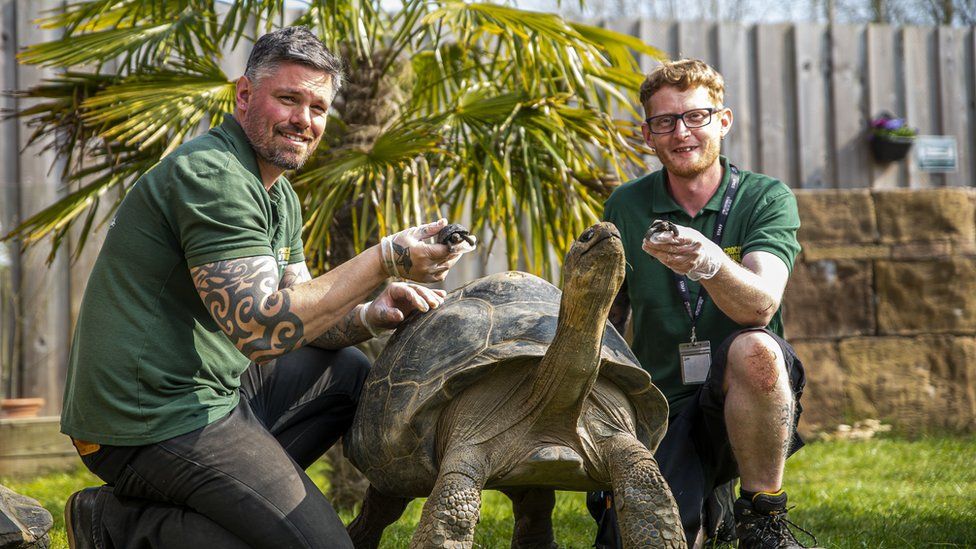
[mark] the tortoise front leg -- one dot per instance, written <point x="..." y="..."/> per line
<point x="453" y="507"/>
<point x="646" y="510"/>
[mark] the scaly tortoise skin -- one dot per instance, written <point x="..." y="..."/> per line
<point x="513" y="385"/>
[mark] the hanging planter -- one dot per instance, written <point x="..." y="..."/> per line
<point x="890" y="138"/>
<point x="890" y="148"/>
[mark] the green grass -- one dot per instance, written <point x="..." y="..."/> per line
<point x="883" y="493"/>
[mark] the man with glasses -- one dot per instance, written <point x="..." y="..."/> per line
<point x="705" y="290"/>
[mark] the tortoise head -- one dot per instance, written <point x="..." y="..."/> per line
<point x="594" y="266"/>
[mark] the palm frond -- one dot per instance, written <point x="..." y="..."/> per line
<point x="484" y="110"/>
<point x="168" y="104"/>
<point x="145" y="44"/>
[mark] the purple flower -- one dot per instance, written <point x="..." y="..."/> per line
<point x="888" y="123"/>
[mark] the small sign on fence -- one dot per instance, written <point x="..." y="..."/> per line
<point x="936" y="153"/>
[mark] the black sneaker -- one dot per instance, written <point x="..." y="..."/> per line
<point x="79" y="518"/>
<point x="762" y="523"/>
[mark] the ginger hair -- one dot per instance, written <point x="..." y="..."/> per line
<point x="683" y="74"/>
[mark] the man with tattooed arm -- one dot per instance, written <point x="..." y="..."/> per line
<point x="208" y="368"/>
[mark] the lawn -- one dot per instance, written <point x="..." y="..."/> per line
<point x="882" y="493"/>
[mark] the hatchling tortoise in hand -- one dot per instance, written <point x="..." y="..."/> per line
<point x="512" y="385"/>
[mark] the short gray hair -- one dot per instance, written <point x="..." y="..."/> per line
<point x="293" y="45"/>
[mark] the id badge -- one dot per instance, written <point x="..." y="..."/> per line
<point x="696" y="360"/>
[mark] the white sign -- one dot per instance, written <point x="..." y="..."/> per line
<point x="936" y="153"/>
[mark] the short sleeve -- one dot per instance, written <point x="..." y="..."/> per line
<point x="219" y="214"/>
<point x="295" y="238"/>
<point x="773" y="228"/>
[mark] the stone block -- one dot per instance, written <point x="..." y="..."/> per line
<point x="919" y="384"/>
<point x="824" y="400"/>
<point x="926" y="296"/>
<point x="919" y="215"/>
<point x="829" y="299"/>
<point x="835" y="216"/>
<point x="31" y="446"/>
<point x="933" y="249"/>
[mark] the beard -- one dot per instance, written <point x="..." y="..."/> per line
<point x="709" y="151"/>
<point x="266" y="149"/>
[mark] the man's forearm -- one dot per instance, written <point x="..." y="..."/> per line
<point x="742" y="294"/>
<point x="265" y="322"/>
<point x="348" y="331"/>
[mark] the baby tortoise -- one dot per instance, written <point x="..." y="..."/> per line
<point x="660" y="226"/>
<point x="453" y="235"/>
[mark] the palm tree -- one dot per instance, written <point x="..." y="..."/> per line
<point x="451" y="108"/>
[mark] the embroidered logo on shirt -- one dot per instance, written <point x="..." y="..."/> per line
<point x="284" y="254"/>
<point x="735" y="252"/>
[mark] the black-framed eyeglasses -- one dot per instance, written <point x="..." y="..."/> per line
<point x="695" y="118"/>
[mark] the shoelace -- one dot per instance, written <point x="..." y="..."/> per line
<point x="779" y="527"/>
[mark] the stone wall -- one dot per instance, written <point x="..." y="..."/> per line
<point x="881" y="308"/>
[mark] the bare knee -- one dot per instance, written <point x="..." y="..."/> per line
<point x="755" y="363"/>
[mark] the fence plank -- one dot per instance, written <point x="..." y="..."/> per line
<point x="9" y="201"/>
<point x="662" y="36"/>
<point x="659" y="34"/>
<point x="776" y="121"/>
<point x="812" y="93"/>
<point x="886" y="93"/>
<point x="921" y="105"/>
<point x="693" y="41"/>
<point x="954" y="98"/>
<point x="853" y="168"/>
<point x="735" y="63"/>
<point x="43" y="289"/>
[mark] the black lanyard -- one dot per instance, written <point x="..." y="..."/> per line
<point x="723" y="217"/>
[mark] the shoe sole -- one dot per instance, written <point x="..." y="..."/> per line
<point x="69" y="523"/>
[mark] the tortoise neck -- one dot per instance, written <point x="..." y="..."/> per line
<point x="571" y="365"/>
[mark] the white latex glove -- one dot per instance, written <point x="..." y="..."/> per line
<point x="395" y="304"/>
<point x="689" y="253"/>
<point x="409" y="253"/>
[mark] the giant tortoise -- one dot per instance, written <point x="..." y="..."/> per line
<point x="512" y="385"/>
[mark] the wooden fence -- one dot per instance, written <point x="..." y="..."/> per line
<point x="802" y="97"/>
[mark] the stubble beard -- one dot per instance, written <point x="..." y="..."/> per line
<point x="265" y="149"/>
<point x="709" y="154"/>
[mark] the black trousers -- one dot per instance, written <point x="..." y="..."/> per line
<point x="240" y="481"/>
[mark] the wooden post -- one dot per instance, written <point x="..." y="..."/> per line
<point x="812" y="97"/>
<point x="43" y="288"/>
<point x="9" y="210"/>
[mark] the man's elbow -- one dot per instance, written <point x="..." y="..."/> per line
<point x="263" y="349"/>
<point x="759" y="317"/>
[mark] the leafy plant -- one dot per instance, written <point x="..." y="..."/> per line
<point x="451" y="108"/>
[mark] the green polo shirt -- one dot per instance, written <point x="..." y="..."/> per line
<point x="763" y="217"/>
<point x="147" y="360"/>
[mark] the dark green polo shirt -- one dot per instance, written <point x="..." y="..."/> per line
<point x="763" y="217"/>
<point x="147" y="360"/>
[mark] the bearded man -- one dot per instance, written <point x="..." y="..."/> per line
<point x="208" y="368"/>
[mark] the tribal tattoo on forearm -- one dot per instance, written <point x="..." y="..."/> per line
<point x="243" y="298"/>
<point x="347" y="332"/>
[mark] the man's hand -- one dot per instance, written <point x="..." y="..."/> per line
<point x="406" y="254"/>
<point x="689" y="253"/>
<point x="397" y="301"/>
